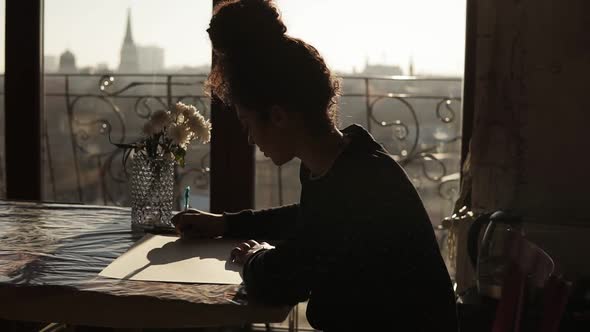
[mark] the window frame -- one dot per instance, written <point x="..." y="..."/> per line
<point x="23" y="91"/>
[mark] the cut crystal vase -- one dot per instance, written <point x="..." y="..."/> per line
<point x="152" y="192"/>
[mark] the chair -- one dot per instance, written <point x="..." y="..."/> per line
<point x="534" y="296"/>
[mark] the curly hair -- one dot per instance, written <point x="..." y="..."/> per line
<point x="257" y="65"/>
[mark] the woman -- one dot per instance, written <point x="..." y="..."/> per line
<point x="359" y="244"/>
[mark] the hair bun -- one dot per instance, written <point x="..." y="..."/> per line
<point x="240" y="25"/>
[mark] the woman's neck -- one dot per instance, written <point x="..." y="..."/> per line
<point x="318" y="153"/>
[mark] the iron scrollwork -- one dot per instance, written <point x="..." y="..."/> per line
<point x="100" y="175"/>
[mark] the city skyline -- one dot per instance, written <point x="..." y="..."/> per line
<point x="350" y="36"/>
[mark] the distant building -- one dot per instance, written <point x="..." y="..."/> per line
<point x="150" y="59"/>
<point x="411" y="70"/>
<point x="129" y="58"/>
<point x="387" y="70"/>
<point x="86" y="70"/>
<point x="50" y="63"/>
<point x="102" y="67"/>
<point x="67" y="63"/>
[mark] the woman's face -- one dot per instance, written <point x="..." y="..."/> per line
<point x="273" y="135"/>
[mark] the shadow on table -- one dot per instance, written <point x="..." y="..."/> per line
<point x="180" y="250"/>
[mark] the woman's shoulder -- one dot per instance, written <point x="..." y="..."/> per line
<point x="365" y="154"/>
<point x="376" y="168"/>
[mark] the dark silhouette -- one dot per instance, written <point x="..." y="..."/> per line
<point x="359" y="244"/>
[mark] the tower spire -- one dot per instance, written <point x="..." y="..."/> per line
<point x="129" y="60"/>
<point x="128" y="35"/>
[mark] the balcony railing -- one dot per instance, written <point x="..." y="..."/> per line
<point x="416" y="118"/>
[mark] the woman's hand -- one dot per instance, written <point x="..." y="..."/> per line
<point x="193" y="224"/>
<point x="242" y="253"/>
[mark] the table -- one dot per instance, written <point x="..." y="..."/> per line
<point x="50" y="257"/>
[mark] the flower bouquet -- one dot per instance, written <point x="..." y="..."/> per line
<point x="167" y="136"/>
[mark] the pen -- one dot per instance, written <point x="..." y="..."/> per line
<point x="187" y="194"/>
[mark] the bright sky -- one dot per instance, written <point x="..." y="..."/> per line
<point x="347" y="33"/>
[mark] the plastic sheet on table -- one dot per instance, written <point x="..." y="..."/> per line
<point x="67" y="245"/>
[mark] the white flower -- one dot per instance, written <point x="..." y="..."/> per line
<point x="200" y="127"/>
<point x="203" y="132"/>
<point x="179" y="119"/>
<point x="169" y="133"/>
<point x="179" y="109"/>
<point x="179" y="134"/>
<point x="188" y="111"/>
<point x="159" y="121"/>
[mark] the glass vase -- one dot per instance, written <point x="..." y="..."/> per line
<point x="152" y="192"/>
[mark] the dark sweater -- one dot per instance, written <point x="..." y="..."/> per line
<point x="359" y="246"/>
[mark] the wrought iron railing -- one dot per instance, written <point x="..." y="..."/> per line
<point x="425" y="116"/>
<point x="90" y="109"/>
<point x="416" y="118"/>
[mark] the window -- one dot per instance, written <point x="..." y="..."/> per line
<point x="105" y="77"/>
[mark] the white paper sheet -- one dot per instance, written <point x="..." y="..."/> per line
<point x="170" y="259"/>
